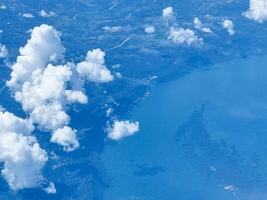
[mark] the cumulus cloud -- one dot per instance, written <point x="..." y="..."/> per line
<point x="10" y="123"/>
<point x="229" y="26"/>
<point x="20" y="152"/>
<point x="76" y="97"/>
<point x="257" y="10"/>
<point x="43" y="47"/>
<point x="50" y="116"/>
<point x="46" y="91"/>
<point x="122" y="129"/>
<point x="43" y="13"/>
<point x="2" y="7"/>
<point x="41" y="87"/>
<point x="199" y="26"/>
<point x="51" y="189"/>
<point x="109" y="112"/>
<point x="150" y="29"/>
<point x="47" y="85"/>
<point x="66" y="137"/>
<point x="27" y="15"/>
<point x="94" y="68"/>
<point x="184" y="36"/>
<point x="168" y="12"/>
<point x="45" y="96"/>
<point x="3" y="51"/>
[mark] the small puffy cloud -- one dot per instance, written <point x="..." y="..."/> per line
<point x="51" y="189"/>
<point x="3" y="51"/>
<point x="112" y="29"/>
<point x="76" y="97"/>
<point x="109" y="112"/>
<point x="257" y="10"/>
<point x="150" y="29"/>
<point x="122" y="129"/>
<point x="229" y="26"/>
<point x="2" y="7"/>
<point x="94" y="68"/>
<point x="20" y="152"/>
<point x="27" y="15"/>
<point x="65" y="137"/>
<point x="197" y="23"/>
<point x="206" y="30"/>
<point x="199" y="26"/>
<point x="43" y="13"/>
<point x="184" y="36"/>
<point x="168" y="12"/>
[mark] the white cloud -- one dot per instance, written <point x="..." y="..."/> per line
<point x="197" y="23"/>
<point x="48" y="85"/>
<point x="43" y="13"/>
<point x="66" y="137"/>
<point x="229" y="26"/>
<point x="199" y="26"/>
<point x="184" y="36"/>
<point x="27" y="15"/>
<point x="45" y="96"/>
<point x="43" y="47"/>
<point x="41" y="87"/>
<point x="76" y="97"/>
<point x="19" y="151"/>
<point x="109" y="112"/>
<point x="167" y="12"/>
<point x="94" y="68"/>
<point x="150" y="29"/>
<point x="3" y="51"/>
<point x="206" y="30"/>
<point x="122" y="129"/>
<point x="10" y="123"/>
<point x="257" y="10"/>
<point x="112" y="29"/>
<point x="2" y="7"/>
<point x="231" y="188"/>
<point x="51" y="189"/>
<point x="46" y="90"/>
<point x="50" y="116"/>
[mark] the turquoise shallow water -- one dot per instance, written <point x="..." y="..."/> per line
<point x="199" y="134"/>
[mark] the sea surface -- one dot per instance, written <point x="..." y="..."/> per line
<point x="202" y="136"/>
